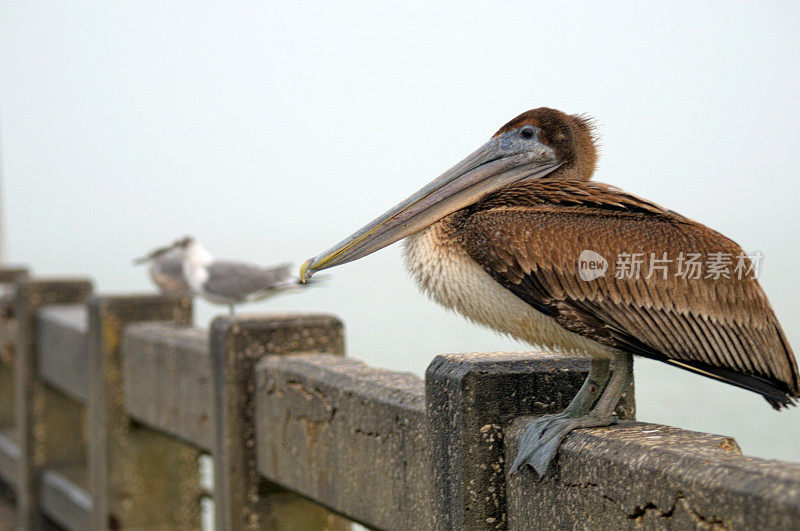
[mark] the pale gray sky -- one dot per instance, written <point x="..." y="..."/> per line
<point x="272" y="130"/>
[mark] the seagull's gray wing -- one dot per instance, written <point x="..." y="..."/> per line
<point x="238" y="281"/>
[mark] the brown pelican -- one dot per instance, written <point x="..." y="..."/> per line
<point x="516" y="237"/>
<point x="165" y="267"/>
<point x="231" y="283"/>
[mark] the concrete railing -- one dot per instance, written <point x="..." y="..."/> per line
<point x="117" y="399"/>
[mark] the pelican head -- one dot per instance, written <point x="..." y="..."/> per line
<point x="536" y="144"/>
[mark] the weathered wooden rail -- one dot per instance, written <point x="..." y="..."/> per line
<point x="116" y="398"/>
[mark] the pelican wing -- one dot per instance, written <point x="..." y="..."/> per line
<point x="530" y="238"/>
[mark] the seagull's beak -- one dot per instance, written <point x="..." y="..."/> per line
<point x="154" y="254"/>
<point x="503" y="160"/>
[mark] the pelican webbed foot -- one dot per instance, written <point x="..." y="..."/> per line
<point x="541" y="438"/>
<point x="538" y="447"/>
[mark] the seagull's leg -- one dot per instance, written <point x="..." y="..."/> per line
<point x="540" y="440"/>
<point x="230" y="308"/>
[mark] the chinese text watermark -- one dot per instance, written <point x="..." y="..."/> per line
<point x="693" y="266"/>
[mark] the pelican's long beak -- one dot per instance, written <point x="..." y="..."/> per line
<point x="503" y="160"/>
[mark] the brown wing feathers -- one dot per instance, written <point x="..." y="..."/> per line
<point x="529" y="237"/>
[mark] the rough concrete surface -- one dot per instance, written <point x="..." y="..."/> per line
<point x="63" y="358"/>
<point x="471" y="398"/>
<point x="138" y="478"/>
<point x="243" y="500"/>
<point x="167" y="380"/>
<point x="636" y="475"/>
<point x="41" y="441"/>
<point x="348" y="436"/>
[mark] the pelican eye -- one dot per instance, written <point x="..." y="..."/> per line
<point x="526" y="132"/>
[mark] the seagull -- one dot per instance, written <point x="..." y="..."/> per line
<point x="230" y="282"/>
<point x="165" y="267"/>
<point x="517" y="238"/>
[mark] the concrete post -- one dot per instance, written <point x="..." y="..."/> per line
<point x="8" y="326"/>
<point x="242" y="500"/>
<point x="29" y="391"/>
<point x="124" y="461"/>
<point x="471" y="399"/>
<point x="12" y="274"/>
